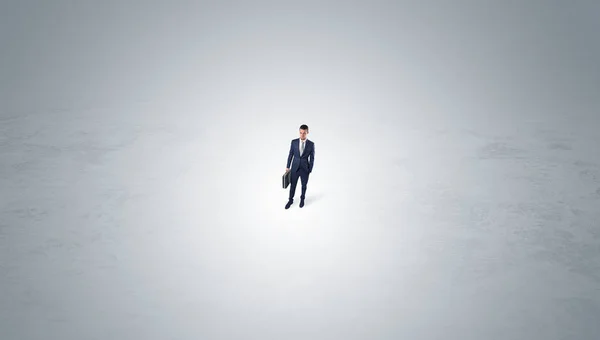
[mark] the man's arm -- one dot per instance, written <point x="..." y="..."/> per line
<point x="291" y="155"/>
<point x="311" y="158"/>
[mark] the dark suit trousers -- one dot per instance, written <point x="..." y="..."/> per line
<point x="303" y="174"/>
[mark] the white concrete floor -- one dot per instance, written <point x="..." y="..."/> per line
<point x="450" y="207"/>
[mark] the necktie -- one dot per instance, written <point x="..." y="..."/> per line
<point x="302" y="149"/>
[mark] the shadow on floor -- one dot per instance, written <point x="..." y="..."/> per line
<point x="310" y="199"/>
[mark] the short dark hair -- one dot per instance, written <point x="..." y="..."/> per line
<point x="304" y="127"/>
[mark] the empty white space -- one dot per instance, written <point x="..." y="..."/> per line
<point x="455" y="192"/>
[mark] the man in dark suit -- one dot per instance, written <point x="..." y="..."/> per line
<point x="302" y="151"/>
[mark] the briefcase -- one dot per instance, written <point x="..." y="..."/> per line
<point x="287" y="178"/>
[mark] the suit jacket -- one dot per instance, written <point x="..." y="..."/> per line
<point x="306" y="161"/>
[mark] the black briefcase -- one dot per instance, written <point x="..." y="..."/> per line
<point x="287" y="178"/>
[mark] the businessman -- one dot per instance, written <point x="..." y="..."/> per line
<point x="302" y="151"/>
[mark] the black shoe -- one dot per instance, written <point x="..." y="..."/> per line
<point x="301" y="203"/>
<point x="287" y="206"/>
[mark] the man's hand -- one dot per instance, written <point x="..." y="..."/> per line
<point x="286" y="169"/>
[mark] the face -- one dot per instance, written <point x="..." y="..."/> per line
<point x="303" y="134"/>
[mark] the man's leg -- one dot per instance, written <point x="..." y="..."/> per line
<point x="304" y="180"/>
<point x="293" y="183"/>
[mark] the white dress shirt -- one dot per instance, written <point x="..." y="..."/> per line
<point x="300" y="145"/>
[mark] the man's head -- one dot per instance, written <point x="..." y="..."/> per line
<point x="303" y="131"/>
